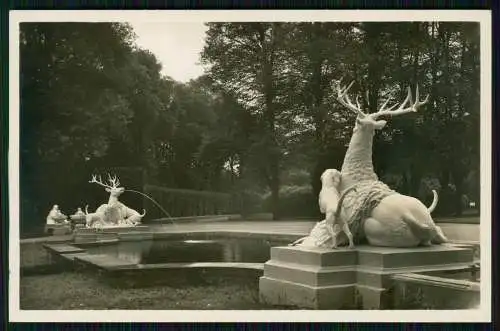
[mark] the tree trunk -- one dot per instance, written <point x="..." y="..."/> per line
<point x="415" y="179"/>
<point x="231" y="165"/>
<point x="275" y="199"/>
<point x="268" y="91"/>
<point x="445" y="194"/>
<point x="457" y="201"/>
<point x="459" y="172"/>
<point x="316" y="173"/>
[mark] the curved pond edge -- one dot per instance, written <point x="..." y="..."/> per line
<point x="124" y="273"/>
<point x="74" y="253"/>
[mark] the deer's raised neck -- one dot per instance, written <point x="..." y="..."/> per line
<point x="358" y="165"/>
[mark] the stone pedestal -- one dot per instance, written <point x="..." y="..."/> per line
<point x="320" y="278"/>
<point x="58" y="229"/>
<point x="78" y="226"/>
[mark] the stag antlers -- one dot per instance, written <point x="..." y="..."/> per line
<point x="344" y="99"/>
<point x="113" y="181"/>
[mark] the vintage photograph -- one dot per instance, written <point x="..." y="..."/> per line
<point x="288" y="165"/>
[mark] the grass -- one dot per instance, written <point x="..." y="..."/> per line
<point x="71" y="290"/>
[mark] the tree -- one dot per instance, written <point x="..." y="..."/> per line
<point x="245" y="61"/>
<point x="71" y="105"/>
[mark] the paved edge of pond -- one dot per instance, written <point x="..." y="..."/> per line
<point x="252" y="228"/>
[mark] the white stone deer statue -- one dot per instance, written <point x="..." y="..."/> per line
<point x="374" y="211"/>
<point x="114" y="213"/>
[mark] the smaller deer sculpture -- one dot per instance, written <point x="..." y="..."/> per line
<point x="114" y="212"/>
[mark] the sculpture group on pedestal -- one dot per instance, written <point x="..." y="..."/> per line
<point x="367" y="208"/>
<point x="55" y="216"/>
<point x="56" y="222"/>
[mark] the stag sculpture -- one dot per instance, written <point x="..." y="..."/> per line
<point x="374" y="211"/>
<point x="114" y="213"/>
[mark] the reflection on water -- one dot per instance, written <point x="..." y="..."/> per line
<point x="131" y="251"/>
<point x="170" y="251"/>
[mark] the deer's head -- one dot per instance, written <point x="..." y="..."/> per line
<point x="367" y="121"/>
<point x="112" y="187"/>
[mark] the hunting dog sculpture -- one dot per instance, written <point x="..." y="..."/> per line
<point x="329" y="203"/>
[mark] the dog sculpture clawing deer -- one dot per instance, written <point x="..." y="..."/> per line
<point x="330" y="202"/>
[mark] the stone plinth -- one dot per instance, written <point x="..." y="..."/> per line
<point x="58" y="229"/>
<point x="321" y="278"/>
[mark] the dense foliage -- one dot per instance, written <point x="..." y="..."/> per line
<point x="261" y="122"/>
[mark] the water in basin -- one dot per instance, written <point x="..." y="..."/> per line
<point x="178" y="251"/>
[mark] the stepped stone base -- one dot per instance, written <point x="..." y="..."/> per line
<point x="321" y="278"/>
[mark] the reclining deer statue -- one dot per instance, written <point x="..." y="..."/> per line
<point x="113" y="213"/>
<point x="374" y="211"/>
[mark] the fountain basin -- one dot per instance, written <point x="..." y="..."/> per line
<point x="136" y="267"/>
<point x="169" y="258"/>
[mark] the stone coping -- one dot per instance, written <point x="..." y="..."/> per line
<point x="368" y="269"/>
<point x="101" y="242"/>
<point x="105" y="262"/>
<point x="188" y="233"/>
<point x="183" y="219"/>
<point x="109" y="263"/>
<point x="227" y="233"/>
<point x="94" y="238"/>
<point x="54" y="239"/>
<point x="63" y="248"/>
<point x="465" y="242"/>
<point x="458" y="284"/>
<point x="293" y="228"/>
<point x="191" y="265"/>
<point x="392" y="250"/>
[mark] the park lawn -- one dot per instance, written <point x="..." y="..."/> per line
<point x="71" y="290"/>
